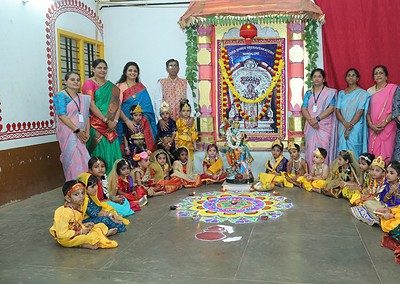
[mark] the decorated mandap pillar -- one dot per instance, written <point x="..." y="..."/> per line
<point x="295" y="71"/>
<point x="205" y="69"/>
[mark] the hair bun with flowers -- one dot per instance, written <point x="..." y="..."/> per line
<point x="141" y="156"/>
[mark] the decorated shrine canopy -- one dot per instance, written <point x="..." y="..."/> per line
<point x="225" y="11"/>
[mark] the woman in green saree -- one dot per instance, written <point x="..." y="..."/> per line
<point x="105" y="109"/>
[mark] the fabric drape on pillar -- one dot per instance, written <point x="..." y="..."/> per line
<point x="360" y="34"/>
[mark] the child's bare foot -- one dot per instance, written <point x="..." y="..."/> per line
<point x="112" y="232"/>
<point x="89" y="246"/>
<point x="159" y="193"/>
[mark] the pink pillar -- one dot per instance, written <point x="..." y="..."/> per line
<point x="295" y="71"/>
<point x="205" y="68"/>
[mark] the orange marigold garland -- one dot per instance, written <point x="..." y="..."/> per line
<point x="227" y="83"/>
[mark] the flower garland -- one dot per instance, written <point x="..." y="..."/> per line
<point x="236" y="100"/>
<point x="227" y="75"/>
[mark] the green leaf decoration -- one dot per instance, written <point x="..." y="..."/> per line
<point x="312" y="47"/>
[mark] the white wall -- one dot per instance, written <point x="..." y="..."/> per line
<point x="23" y="73"/>
<point x="147" y="35"/>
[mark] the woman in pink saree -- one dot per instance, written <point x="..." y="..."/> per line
<point x="318" y="109"/>
<point x="72" y="110"/>
<point x="382" y="128"/>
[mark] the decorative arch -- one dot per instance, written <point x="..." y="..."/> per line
<point x="18" y="130"/>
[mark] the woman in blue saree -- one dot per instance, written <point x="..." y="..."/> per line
<point x="132" y="92"/>
<point x="351" y="111"/>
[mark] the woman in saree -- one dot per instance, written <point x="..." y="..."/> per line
<point x="382" y="128"/>
<point x="318" y="107"/>
<point x="72" y="110"/>
<point x="105" y="109"/>
<point x="351" y="112"/>
<point x="133" y="92"/>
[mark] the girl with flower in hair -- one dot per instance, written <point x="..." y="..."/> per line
<point x="144" y="184"/>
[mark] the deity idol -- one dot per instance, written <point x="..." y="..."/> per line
<point x="237" y="155"/>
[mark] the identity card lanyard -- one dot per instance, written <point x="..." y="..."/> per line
<point x="315" y="107"/>
<point x="80" y="116"/>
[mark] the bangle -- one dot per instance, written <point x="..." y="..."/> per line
<point x="351" y="123"/>
<point x="116" y="120"/>
<point x="77" y="131"/>
<point x="318" y="118"/>
<point x="105" y="119"/>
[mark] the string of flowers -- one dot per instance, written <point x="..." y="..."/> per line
<point x="227" y="76"/>
<point x="261" y="114"/>
<point x="263" y="111"/>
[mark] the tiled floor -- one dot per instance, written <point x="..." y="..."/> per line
<point x="317" y="241"/>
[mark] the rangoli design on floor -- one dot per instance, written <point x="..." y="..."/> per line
<point x="236" y="208"/>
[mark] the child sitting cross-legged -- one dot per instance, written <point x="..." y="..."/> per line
<point x="275" y="170"/>
<point x="144" y="184"/>
<point x="343" y="173"/>
<point x="68" y="229"/>
<point x="121" y="183"/>
<point x="96" y="211"/>
<point x="353" y="189"/>
<point x="316" y="179"/>
<point x="371" y="193"/>
<point x="297" y="166"/>
<point x="213" y="166"/>
<point x="381" y="206"/>
<point x="160" y="169"/>
<point x="183" y="169"/>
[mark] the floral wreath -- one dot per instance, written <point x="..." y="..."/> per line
<point x="276" y="82"/>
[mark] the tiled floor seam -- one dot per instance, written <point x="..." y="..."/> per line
<point x="369" y="255"/>
<point x="244" y="251"/>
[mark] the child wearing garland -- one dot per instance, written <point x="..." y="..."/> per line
<point x="389" y="197"/>
<point x="316" y="179"/>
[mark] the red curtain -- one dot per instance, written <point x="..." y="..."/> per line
<point x="360" y="34"/>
